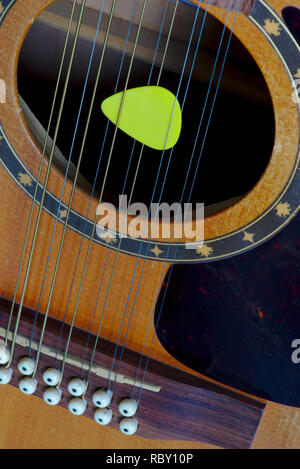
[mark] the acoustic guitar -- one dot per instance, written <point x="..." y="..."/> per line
<point x="170" y="102"/>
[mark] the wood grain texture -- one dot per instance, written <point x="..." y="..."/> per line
<point x="37" y="426"/>
<point x="279" y="428"/>
<point x="60" y="429"/>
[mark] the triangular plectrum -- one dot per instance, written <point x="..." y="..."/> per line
<point x="150" y="114"/>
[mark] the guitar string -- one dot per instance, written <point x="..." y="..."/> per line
<point x="73" y="191"/>
<point x="190" y="193"/>
<point x="113" y="270"/>
<point x="169" y="248"/>
<point x="66" y="174"/>
<point x="123" y="191"/>
<point x="92" y="193"/>
<point x="98" y="333"/>
<point x="102" y="190"/>
<point x="40" y="170"/>
<point x="50" y="161"/>
<point x="138" y="165"/>
<point x="165" y="263"/>
<point x="66" y="351"/>
<point x="153" y="194"/>
<point x="157" y="322"/>
<point x="41" y="341"/>
<point x="162" y="189"/>
<point x="163" y="273"/>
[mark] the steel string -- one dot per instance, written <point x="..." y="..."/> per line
<point x="40" y="171"/>
<point x="136" y="174"/>
<point x="192" y="186"/>
<point x="66" y="173"/>
<point x="73" y="189"/>
<point x="94" y="185"/>
<point x="171" y="153"/>
<point x="102" y="191"/>
<point x="124" y="185"/>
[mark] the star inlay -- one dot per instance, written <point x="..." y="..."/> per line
<point x="108" y="238"/>
<point x="156" y="251"/>
<point x="272" y="27"/>
<point x="25" y="179"/>
<point x="283" y="209"/>
<point x="204" y="250"/>
<point x="248" y="237"/>
<point x="63" y="214"/>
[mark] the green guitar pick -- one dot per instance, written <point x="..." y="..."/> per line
<point x="150" y="114"/>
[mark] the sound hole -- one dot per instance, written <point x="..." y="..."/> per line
<point x="291" y="16"/>
<point x="238" y="138"/>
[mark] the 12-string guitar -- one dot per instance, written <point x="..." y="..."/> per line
<point x="166" y="102"/>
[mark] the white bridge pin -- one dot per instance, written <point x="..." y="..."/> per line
<point x="5" y="375"/>
<point x="26" y="366"/>
<point x="128" y="426"/>
<point x="52" y="396"/>
<point x="102" y="398"/>
<point x="77" y="406"/>
<point x="77" y="387"/>
<point x="28" y="385"/>
<point x="4" y="353"/>
<point x="128" y="407"/>
<point x="103" y="416"/>
<point x="51" y="376"/>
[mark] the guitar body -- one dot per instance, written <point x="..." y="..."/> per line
<point x="26" y="421"/>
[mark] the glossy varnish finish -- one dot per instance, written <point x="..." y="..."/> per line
<point x="13" y="226"/>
